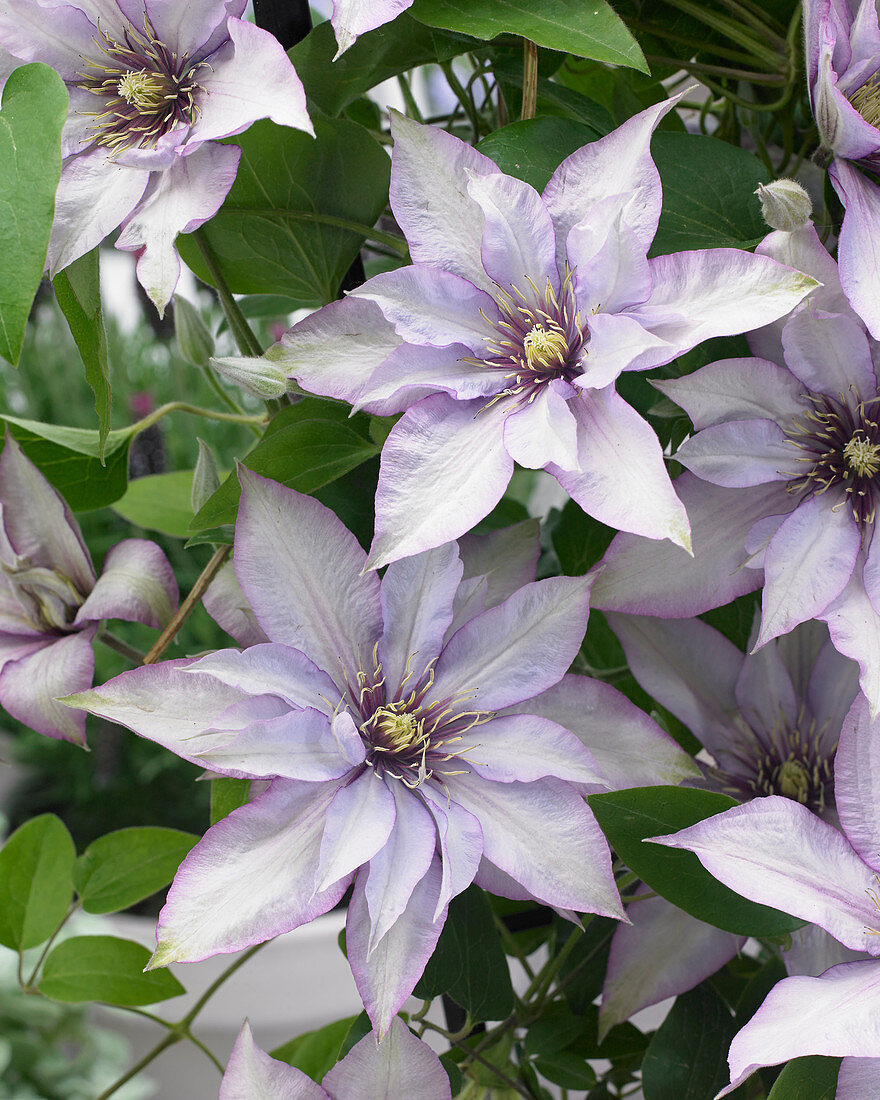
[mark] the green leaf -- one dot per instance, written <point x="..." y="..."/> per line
<point x="568" y="1069"/>
<point x="468" y="962"/>
<point x="305" y="447"/>
<point x="627" y="817"/>
<point x="571" y="26"/>
<point x="159" y="502"/>
<point x="78" y="291"/>
<point x="708" y="199"/>
<point x="267" y="236"/>
<point x="579" y="540"/>
<point x="105" y="968"/>
<point x="35" y="881"/>
<point x="316" y="1052"/>
<point x="33" y="112"/>
<point x="69" y="459"/>
<point x="126" y="866"/>
<point x="533" y="149"/>
<point x="389" y="50"/>
<point x="227" y="795"/>
<point x="810" y="1078"/>
<point x="687" y="1057"/>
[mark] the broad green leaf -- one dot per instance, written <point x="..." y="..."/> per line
<point x="735" y="620"/>
<point x="78" y="290"/>
<point x="468" y="962"/>
<point x="126" y="866"/>
<point x="554" y="99"/>
<point x="533" y="149"/>
<point x="33" y="112"/>
<point x="35" y="881"/>
<point x="68" y="458"/>
<point x="389" y="50"/>
<point x="268" y="237"/>
<point x="227" y="794"/>
<point x="584" y="968"/>
<point x="627" y="817"/>
<point x="566" y="1068"/>
<point x="579" y="540"/>
<point x="687" y="1058"/>
<point x="571" y="26"/>
<point x="105" y="968"/>
<point x="708" y="194"/>
<point x="159" y="502"/>
<point x="810" y="1078"/>
<point x="305" y="447"/>
<point x="316" y="1052"/>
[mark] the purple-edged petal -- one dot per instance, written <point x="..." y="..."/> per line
<point x="807" y="564"/>
<point x="518" y="649"/>
<point x="250" y="877"/>
<point x="507" y="558"/>
<point x="136" y="583"/>
<point x="518" y="244"/>
<point x="856" y="773"/>
<point x="195" y="29"/>
<point x="739" y="454"/>
<point x="837" y="1014"/>
<point x="662" y="953"/>
<point x="619" y="342"/>
<point x="622" y="479"/>
<point x="248" y="78"/>
<point x="444" y="468"/>
<point x="764" y="691"/>
<point x="858" y="1079"/>
<point x="359" y="821"/>
<point x="31" y="685"/>
<point x="644" y="577"/>
<point x="271" y="669"/>
<point x="354" y="17"/>
<point x="629" y="747"/>
<point x="179" y="200"/>
<point x="400" y="1066"/>
<point x="829" y="353"/>
<point x="57" y="35"/>
<point x="251" y="1073"/>
<point x="226" y="604"/>
<point x="832" y="688"/>
<point x="813" y="951"/>
<point x="428" y="162"/>
<point x="736" y="389"/>
<point x="609" y="262"/>
<point x="574" y="871"/>
<point x="854" y="626"/>
<point x="859" y="245"/>
<point x="774" y="851"/>
<point x="386" y="976"/>
<point x="300" y="569"/>
<point x="544" y="431"/>
<point x="414" y="371"/>
<point x="717" y="292"/>
<point x="523" y="747"/>
<point x="459" y="842"/>
<point x="417" y="605"/>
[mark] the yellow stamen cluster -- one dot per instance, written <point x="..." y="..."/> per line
<point x="146" y="91"/>
<point x="545" y="349"/>
<point x="398" y="730"/>
<point x="867" y="101"/>
<point x="793" y="781"/>
<point x="862" y="456"/>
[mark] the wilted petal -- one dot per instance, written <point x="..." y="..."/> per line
<point x="31" y="685"/>
<point x="179" y="200"/>
<point x="136" y="583"/>
<point x="300" y="569"/>
<point x="829" y="353"/>
<point x="740" y="453"/>
<point x="518" y="649"/>
<point x="856" y="775"/>
<point x="400" y="1066"/>
<point x="736" y="389"/>
<point x="774" y="851"/>
<point x="523" y="747"/>
<point x="444" y="468"/>
<point x="226" y="604"/>
<point x="662" y="953"/>
<point x="858" y="249"/>
<point x="250" y="877"/>
<point x="251" y="1074"/>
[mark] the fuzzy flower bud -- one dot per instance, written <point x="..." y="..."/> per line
<point x="785" y="205"/>
<point x="193" y="338"/>
<point x="256" y="376"/>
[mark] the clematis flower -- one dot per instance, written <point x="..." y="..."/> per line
<point x="401" y="1065"/>
<point x="843" y="77"/>
<point x="152" y="85"/>
<point x="774" y="851"/>
<point x="502" y="341"/>
<point x="52" y="601"/>
<point x="354" y="17"/>
<point x="783" y="482"/>
<point x="383" y="713"/>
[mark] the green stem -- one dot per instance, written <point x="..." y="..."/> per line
<point x="530" y="79"/>
<point x="248" y="343"/>
<point x="28" y="986"/>
<point x="691" y="43"/>
<point x="727" y="27"/>
<point x="540" y="987"/>
<point x="215" y="985"/>
<point x="392" y="240"/>
<point x="412" y="108"/>
<point x="187" y="607"/>
<point x="475" y="1056"/>
<point x="119" y="646"/>
<point x="195" y="410"/>
<point x="512" y="946"/>
<point x="205" y="1050"/>
<point x="217" y="387"/>
<point x="754" y="21"/>
<point x="164" y="1043"/>
<point x="774" y="80"/>
<point x="463" y="98"/>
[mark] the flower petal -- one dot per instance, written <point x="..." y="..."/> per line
<point x="251" y="1073"/>
<point x="855" y="630"/>
<point x="858" y="249"/>
<point x="609" y="260"/>
<point x="859" y="1079"/>
<point x="739" y="454"/>
<point x="226" y="604"/>
<point x="271" y="669"/>
<point x="856" y="772"/>
<point x="460" y="842"/>
<point x="354" y="17"/>
<point x="136" y="583"/>
<point x="56" y="35"/>
<point x="544" y="431"/>
<point x="619" y="342"/>
<point x="829" y="353"/>
<point x="31" y="685"/>
<point x="523" y="747"/>
<point x="736" y="389"/>
<point x="359" y="822"/>
<point x="301" y="571"/>
<point x="764" y="691"/>
<point x="401" y="1065"/>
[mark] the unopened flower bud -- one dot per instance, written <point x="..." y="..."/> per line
<point x="193" y="337"/>
<point x="785" y="205"/>
<point x="206" y="478"/>
<point x="256" y="376"/>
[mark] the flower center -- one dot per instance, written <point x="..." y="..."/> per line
<point x="545" y="349"/>
<point x="842" y="446"/>
<point x="145" y="88"/>
<point x="397" y="731"/>
<point x="792" y="780"/>
<point x="866" y="101"/>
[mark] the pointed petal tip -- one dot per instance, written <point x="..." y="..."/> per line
<point x="165" y="954"/>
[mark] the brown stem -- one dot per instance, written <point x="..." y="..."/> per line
<point x="186" y="608"/>
<point x="530" y="79"/>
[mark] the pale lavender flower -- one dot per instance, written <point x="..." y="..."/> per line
<point x="501" y="343"/>
<point x="400" y="1066"/>
<point x="843" y="78"/>
<point x="354" y="17"/>
<point x="52" y="601"/>
<point x="386" y="715"/>
<point x="783" y="484"/>
<point x="774" y="851"/>
<point x="152" y="85"/>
